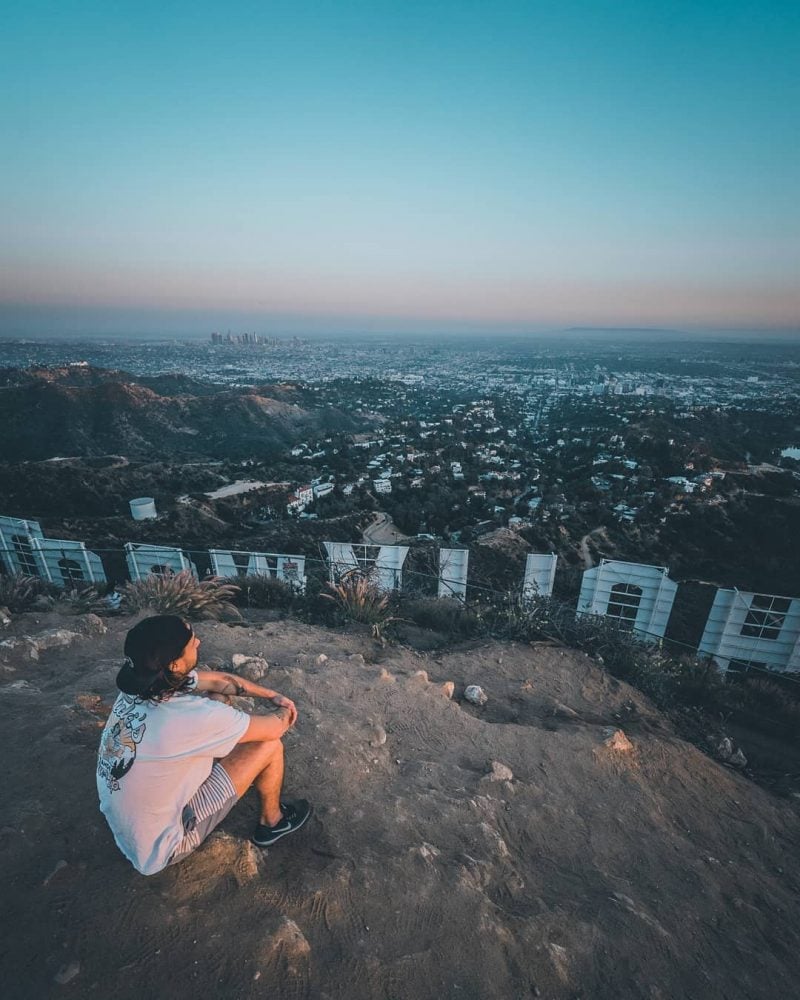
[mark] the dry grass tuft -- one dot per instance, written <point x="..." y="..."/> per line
<point x="181" y="594"/>
<point x="19" y="593"/>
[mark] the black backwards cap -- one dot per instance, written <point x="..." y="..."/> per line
<point x="150" y="647"/>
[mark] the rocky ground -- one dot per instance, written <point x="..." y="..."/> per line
<point x="523" y="848"/>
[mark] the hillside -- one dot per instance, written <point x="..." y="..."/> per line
<point x="593" y="872"/>
<point x="84" y="411"/>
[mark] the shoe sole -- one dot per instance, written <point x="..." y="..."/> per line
<point x="293" y="829"/>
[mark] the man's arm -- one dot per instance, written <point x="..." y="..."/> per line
<point x="217" y="682"/>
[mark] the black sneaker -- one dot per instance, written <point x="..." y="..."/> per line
<point x="295" y="815"/>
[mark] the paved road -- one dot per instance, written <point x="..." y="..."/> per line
<point x="383" y="531"/>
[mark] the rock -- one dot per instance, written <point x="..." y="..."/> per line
<point x="421" y="675"/>
<point x="738" y="759"/>
<point x="377" y="736"/>
<point x="615" y="739"/>
<point x="56" y="638"/>
<point x="239" y="660"/>
<point x="21" y="686"/>
<point x="564" y="711"/>
<point x="322" y="658"/>
<point x="448" y="689"/>
<point x="5" y="617"/>
<point x="357" y="658"/>
<point x="253" y="669"/>
<point x="22" y="646"/>
<point x="429" y="852"/>
<point x="43" y="603"/>
<point x="475" y="695"/>
<point x="91" y="625"/>
<point x="387" y="677"/>
<point x="499" y="772"/>
<point x="725" y="749"/>
<point x="287" y="943"/>
<point x="67" y="973"/>
<point x="60" y="866"/>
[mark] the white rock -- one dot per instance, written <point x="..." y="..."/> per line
<point x="23" y="686"/>
<point x="738" y="759"/>
<point x="239" y="659"/>
<point x="564" y="711"/>
<point x="56" y="638"/>
<point x="725" y="749"/>
<point x="475" y="695"/>
<point x="322" y="658"/>
<point x="67" y="973"/>
<point x="20" y="645"/>
<point x="253" y="669"/>
<point x="500" y="772"/>
<point x="448" y="689"/>
<point x="377" y="736"/>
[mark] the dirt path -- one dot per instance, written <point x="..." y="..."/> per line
<point x="583" y="547"/>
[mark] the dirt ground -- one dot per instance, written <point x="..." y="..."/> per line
<point x="593" y="873"/>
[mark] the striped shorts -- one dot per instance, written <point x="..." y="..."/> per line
<point x="209" y="805"/>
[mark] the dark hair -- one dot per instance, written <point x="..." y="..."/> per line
<point x="151" y="647"/>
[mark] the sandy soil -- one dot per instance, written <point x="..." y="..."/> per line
<point x="594" y="873"/>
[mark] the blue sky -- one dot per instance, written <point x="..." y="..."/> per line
<point x="397" y="165"/>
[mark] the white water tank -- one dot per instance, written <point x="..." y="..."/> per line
<point x="143" y="508"/>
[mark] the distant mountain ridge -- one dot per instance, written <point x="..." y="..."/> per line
<point x="81" y="410"/>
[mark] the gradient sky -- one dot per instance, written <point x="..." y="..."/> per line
<point x="397" y="165"/>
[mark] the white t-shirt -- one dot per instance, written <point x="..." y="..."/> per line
<point x="152" y="759"/>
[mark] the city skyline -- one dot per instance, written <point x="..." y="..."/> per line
<point x="397" y="169"/>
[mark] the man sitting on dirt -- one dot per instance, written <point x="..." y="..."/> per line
<point x="172" y="765"/>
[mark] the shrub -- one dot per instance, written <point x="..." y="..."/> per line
<point x="358" y="599"/>
<point x="260" y="590"/>
<point x="181" y="594"/>
<point x="86" y="600"/>
<point x="767" y="705"/>
<point x="19" y="593"/>
<point x="441" y="614"/>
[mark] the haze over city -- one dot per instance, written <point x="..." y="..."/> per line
<point x="399" y="168"/>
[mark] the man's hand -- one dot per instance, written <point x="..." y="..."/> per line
<point x="288" y="704"/>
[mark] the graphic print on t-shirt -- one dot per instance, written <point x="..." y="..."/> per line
<point x="124" y="730"/>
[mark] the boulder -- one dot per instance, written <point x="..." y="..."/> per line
<point x="91" y="625"/>
<point x="499" y="772"/>
<point x="615" y="739"/>
<point x="475" y="695"/>
<point x="22" y="646"/>
<point x="377" y="736"/>
<point x="253" y="669"/>
<point x="56" y="638"/>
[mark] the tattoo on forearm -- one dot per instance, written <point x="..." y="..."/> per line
<point x="234" y="686"/>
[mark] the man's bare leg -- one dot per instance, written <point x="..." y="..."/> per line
<point x="260" y="765"/>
